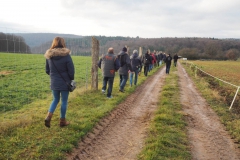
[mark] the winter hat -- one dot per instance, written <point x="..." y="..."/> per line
<point x="124" y="49"/>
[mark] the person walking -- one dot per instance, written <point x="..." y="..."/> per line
<point x="135" y="65"/>
<point x="160" y="58"/>
<point x="58" y="60"/>
<point x="164" y="57"/>
<point x="175" y="58"/>
<point x="168" y="63"/>
<point x="146" y="60"/>
<point x="125" y="66"/>
<point x="109" y="64"/>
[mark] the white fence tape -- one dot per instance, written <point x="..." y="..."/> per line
<point x="222" y="81"/>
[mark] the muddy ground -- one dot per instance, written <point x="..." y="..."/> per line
<point x="121" y="135"/>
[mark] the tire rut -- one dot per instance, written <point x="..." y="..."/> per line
<point x="121" y="134"/>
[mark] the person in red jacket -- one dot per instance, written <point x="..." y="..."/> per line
<point x="153" y="60"/>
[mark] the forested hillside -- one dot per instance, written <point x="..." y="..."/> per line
<point x="13" y="43"/>
<point x="190" y="47"/>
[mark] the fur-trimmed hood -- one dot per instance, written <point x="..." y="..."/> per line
<point x="56" y="52"/>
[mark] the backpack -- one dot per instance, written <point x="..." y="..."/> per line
<point x="122" y="60"/>
<point x="146" y="60"/>
<point x="169" y="58"/>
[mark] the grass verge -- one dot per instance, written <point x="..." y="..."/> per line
<point x="167" y="138"/>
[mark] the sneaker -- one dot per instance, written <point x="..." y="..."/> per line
<point x="110" y="97"/>
<point x="103" y="91"/>
<point x="121" y="90"/>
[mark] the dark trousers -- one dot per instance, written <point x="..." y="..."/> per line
<point x="146" y="69"/>
<point x="168" y="68"/>
<point x="109" y="81"/>
<point x="175" y="63"/>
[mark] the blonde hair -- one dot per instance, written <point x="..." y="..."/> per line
<point x="110" y="50"/>
<point x="58" y="42"/>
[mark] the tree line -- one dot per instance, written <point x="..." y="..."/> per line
<point x="13" y="44"/>
<point x="190" y="47"/>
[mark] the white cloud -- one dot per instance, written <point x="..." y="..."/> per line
<point x="144" y="18"/>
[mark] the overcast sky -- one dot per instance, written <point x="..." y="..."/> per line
<point x="143" y="18"/>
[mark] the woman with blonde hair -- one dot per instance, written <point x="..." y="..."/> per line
<point x="60" y="68"/>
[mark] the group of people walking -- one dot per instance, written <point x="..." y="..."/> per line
<point x="129" y="67"/>
<point x="59" y="66"/>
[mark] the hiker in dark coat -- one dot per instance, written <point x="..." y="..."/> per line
<point x="168" y="63"/>
<point x="164" y="57"/>
<point x="58" y="59"/>
<point x="146" y="61"/>
<point x="136" y="65"/>
<point x="109" y="64"/>
<point x="160" y="58"/>
<point x="175" y="58"/>
<point x="125" y="66"/>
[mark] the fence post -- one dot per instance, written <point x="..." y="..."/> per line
<point x="95" y="58"/>
<point x="234" y="98"/>
<point x="140" y="52"/>
<point x="195" y="71"/>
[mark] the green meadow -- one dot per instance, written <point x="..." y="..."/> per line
<point x="23" y="79"/>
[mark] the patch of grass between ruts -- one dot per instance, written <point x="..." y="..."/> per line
<point x="167" y="136"/>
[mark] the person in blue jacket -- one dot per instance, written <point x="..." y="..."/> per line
<point x="58" y="59"/>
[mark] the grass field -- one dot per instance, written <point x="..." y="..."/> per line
<point x="225" y="70"/>
<point x="23" y="79"/>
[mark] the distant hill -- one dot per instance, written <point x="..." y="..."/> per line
<point x="36" y="39"/>
<point x="190" y="47"/>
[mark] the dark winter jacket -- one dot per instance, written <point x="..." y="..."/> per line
<point x="123" y="70"/>
<point x="168" y="60"/>
<point x="175" y="57"/>
<point x="63" y="61"/>
<point x="109" y="65"/>
<point x="161" y="56"/>
<point x="135" y="62"/>
<point x="164" y="57"/>
<point x="146" y="59"/>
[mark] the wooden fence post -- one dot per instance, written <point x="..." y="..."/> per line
<point x="140" y="52"/>
<point x="95" y="58"/>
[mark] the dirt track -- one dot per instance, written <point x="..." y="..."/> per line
<point x="208" y="139"/>
<point x="121" y="135"/>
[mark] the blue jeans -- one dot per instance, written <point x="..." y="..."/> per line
<point x="135" y="79"/>
<point x="123" y="81"/>
<point x="56" y="99"/>
<point x="109" y="81"/>
<point x="150" y="67"/>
